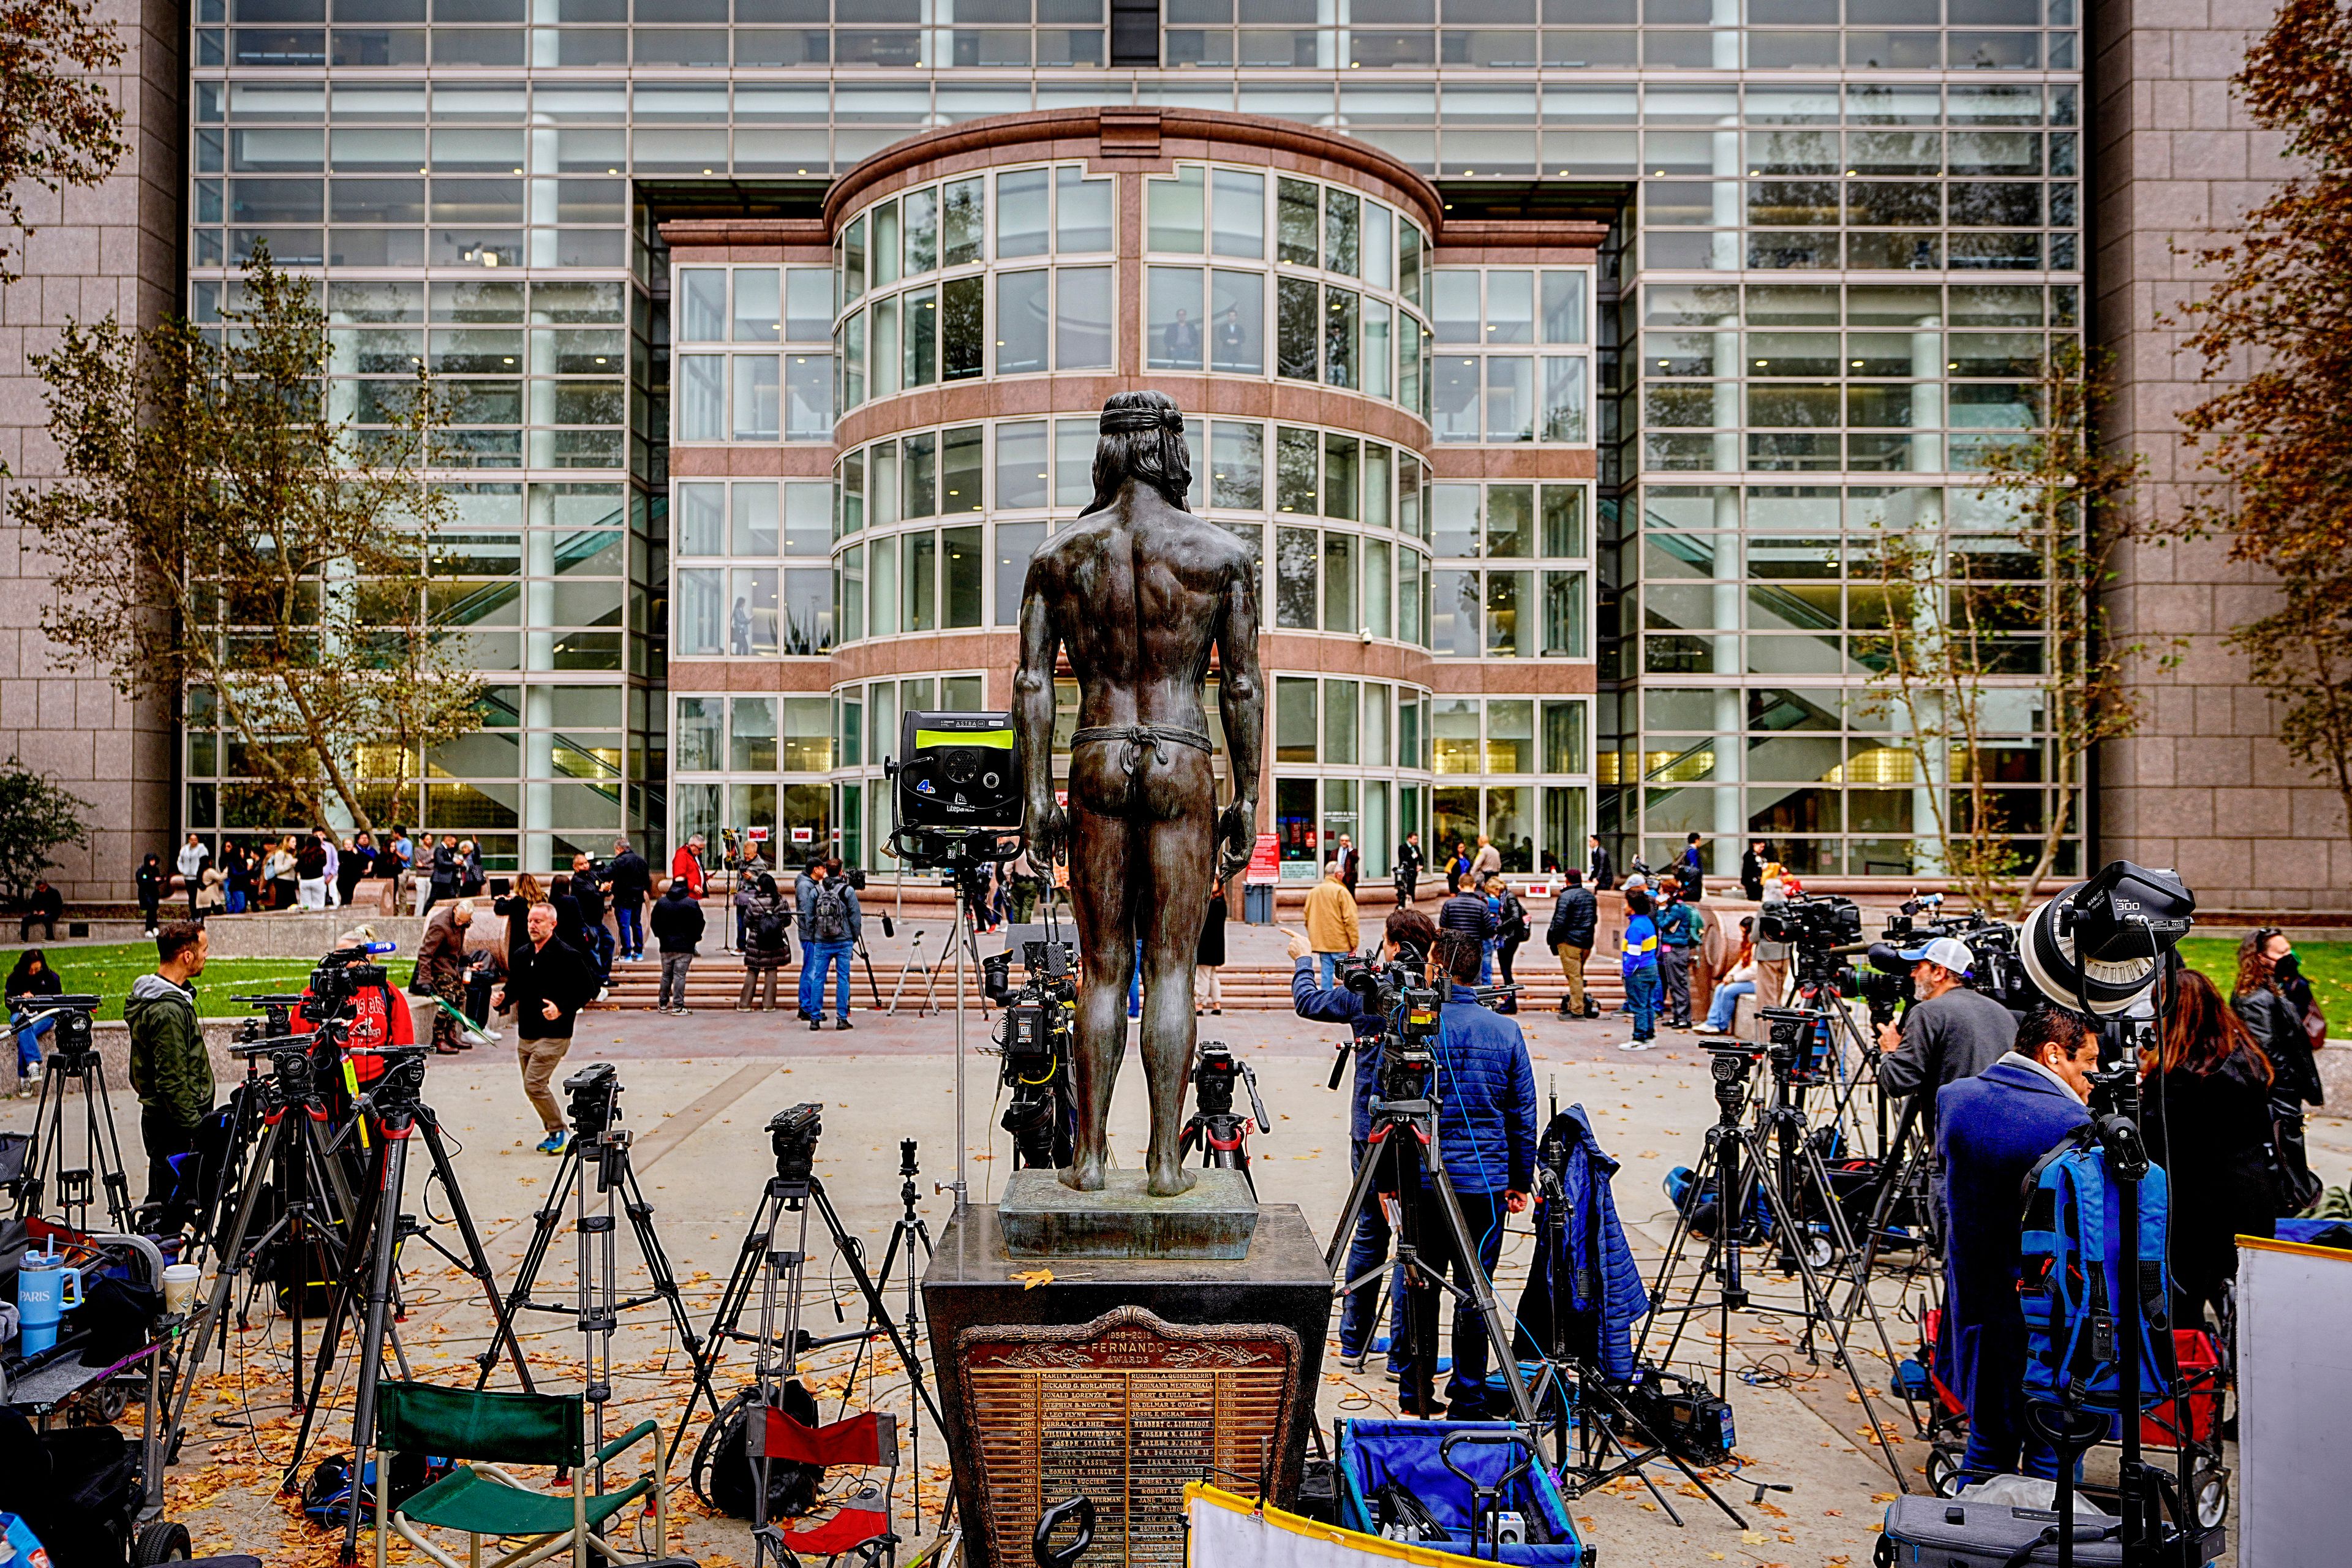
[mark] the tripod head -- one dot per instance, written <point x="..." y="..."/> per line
<point x="1213" y="1078"/>
<point x="594" y="1092"/>
<point x="276" y="1022"/>
<point x="393" y="1098"/>
<point x="792" y="1134"/>
<point x="74" y="1049"/>
<point x="1731" y="1065"/>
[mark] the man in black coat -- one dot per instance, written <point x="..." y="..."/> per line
<point x="547" y="981"/>
<point x="589" y="894"/>
<point x="1751" y="871"/>
<point x="678" y="928"/>
<point x="630" y="880"/>
<point x="1469" y="912"/>
<point x="1409" y="862"/>
<point x="1598" y="869"/>
<point x="1575" y="917"/>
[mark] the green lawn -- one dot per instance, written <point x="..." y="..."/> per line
<point x="2327" y="965"/>
<point x="107" y="969"/>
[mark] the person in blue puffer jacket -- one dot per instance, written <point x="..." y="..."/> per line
<point x="1486" y="1093"/>
<point x="1590" y="1280"/>
<point x="1406" y="940"/>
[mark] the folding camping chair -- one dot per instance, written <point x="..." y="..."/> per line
<point x="482" y="1499"/>
<point x="861" y="1525"/>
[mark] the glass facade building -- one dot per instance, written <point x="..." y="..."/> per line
<point x="1565" y="366"/>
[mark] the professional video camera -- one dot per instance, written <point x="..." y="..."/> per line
<point x="275" y="1023"/>
<point x="1033" y="1037"/>
<point x="1685" y="1414"/>
<point x="1407" y="1006"/>
<point x="1815" y="922"/>
<point x="792" y="1134"/>
<point x="1214" y="1077"/>
<point x="337" y="979"/>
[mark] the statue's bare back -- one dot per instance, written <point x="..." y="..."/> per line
<point x="1140" y="594"/>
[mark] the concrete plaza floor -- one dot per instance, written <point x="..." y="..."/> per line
<point x="699" y="1091"/>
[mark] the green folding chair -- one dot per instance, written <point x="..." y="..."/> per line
<point x="482" y="1500"/>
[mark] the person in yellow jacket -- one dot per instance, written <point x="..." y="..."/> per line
<point x="1330" y="920"/>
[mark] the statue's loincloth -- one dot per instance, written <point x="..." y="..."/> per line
<point x="1141" y="740"/>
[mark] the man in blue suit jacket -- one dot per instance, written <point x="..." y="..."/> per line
<point x="1990" y="1130"/>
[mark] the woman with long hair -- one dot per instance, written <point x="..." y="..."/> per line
<point x="2207" y="1099"/>
<point x="29" y="983"/>
<point x="2264" y="998"/>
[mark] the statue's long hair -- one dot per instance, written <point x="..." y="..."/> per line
<point x="1143" y="439"/>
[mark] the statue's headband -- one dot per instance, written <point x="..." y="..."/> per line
<point x="1117" y="421"/>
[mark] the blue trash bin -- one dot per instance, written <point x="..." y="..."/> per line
<point x="1257" y="904"/>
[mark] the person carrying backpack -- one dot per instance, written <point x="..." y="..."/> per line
<point x="831" y="923"/>
<point x="1991" y="1130"/>
<point x="767" y="944"/>
<point x="678" y="928"/>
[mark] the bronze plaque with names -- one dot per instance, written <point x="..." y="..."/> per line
<point x="1125" y="1409"/>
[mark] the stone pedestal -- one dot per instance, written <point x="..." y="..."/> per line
<point x="1122" y="1378"/>
<point x="1039" y="1217"/>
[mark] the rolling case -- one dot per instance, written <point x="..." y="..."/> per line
<point x="1953" y="1532"/>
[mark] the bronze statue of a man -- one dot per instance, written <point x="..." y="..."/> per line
<point x="1139" y="592"/>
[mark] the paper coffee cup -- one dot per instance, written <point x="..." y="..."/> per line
<point x="180" y="1281"/>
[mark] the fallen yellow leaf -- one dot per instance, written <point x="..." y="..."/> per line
<point x="1031" y="1278"/>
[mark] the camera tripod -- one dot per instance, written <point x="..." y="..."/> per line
<point x="909" y="1230"/>
<point x="78" y="1186"/>
<point x="298" y="1161"/>
<point x="599" y="1143"/>
<point x="778" y="1274"/>
<point x="1736" y="1166"/>
<point x="372" y="1243"/>
<point x="1214" y="1129"/>
<point x="1402" y="1144"/>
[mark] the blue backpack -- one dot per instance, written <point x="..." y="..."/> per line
<point x="2071" y="1252"/>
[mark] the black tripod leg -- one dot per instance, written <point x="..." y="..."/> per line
<point x="357" y="1253"/>
<point x="757" y="1242"/>
<point x="505" y="1338"/>
<point x="1481" y="1292"/>
<point x="478" y="1261"/>
<point x="224" y="1279"/>
<point x="117" y="1179"/>
<point x="874" y="1303"/>
<point x="1817" y="1303"/>
<point x="370" y="1367"/>
<point x="641" y="1220"/>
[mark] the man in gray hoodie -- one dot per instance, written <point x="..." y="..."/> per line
<point x="169" y="1065"/>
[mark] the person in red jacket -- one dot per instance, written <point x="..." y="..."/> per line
<point x="685" y="866"/>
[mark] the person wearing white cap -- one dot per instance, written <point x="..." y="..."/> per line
<point x="1948" y="1032"/>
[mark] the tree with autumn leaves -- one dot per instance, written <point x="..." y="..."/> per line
<point x="57" y="127"/>
<point x="2274" y="332"/>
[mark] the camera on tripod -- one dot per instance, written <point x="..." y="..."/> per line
<point x="337" y="979"/>
<point x="792" y="1134"/>
<point x="257" y="1036"/>
<point x="72" y="1038"/>
<point x="1033" y="1037"/>
<point x="594" y="1092"/>
<point x="1214" y="1077"/>
<point x="1815" y="920"/>
<point x="1798" y="1041"/>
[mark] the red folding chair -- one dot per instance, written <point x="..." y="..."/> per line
<point x="861" y="1525"/>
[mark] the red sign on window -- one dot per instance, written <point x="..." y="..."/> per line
<point x="1266" y="862"/>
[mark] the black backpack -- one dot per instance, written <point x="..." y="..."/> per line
<point x="770" y="930"/>
<point x="828" y="915"/>
<point x="723" y="1471"/>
